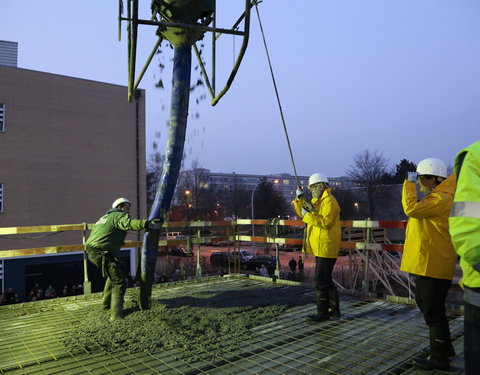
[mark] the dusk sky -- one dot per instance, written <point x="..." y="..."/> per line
<point x="400" y="76"/>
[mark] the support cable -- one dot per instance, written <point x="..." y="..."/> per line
<point x="277" y="95"/>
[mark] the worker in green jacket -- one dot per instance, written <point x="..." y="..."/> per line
<point x="103" y="247"/>
<point x="465" y="231"/>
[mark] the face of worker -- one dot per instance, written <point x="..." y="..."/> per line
<point x="125" y="208"/>
<point x="317" y="189"/>
<point x="427" y="184"/>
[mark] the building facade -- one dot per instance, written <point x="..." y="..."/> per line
<point x="283" y="183"/>
<point x="69" y="147"/>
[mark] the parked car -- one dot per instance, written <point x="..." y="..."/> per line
<point x="220" y="258"/>
<point x="180" y="252"/>
<point x="290" y="247"/>
<point x="258" y="260"/>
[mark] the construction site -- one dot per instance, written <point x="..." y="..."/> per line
<point x="236" y="323"/>
<point x="206" y="296"/>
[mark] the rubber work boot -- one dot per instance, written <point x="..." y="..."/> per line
<point x="146" y="295"/>
<point x="450" y="348"/>
<point x="439" y="348"/>
<point x="322" y="307"/>
<point x="107" y="295"/>
<point x="116" y="309"/>
<point x="333" y="303"/>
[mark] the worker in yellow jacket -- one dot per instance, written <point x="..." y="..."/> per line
<point x="429" y="255"/>
<point x="465" y="231"/>
<point x="323" y="235"/>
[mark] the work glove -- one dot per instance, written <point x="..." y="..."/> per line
<point x="299" y="193"/>
<point x="307" y="206"/>
<point x="412" y="176"/>
<point x="154" y="224"/>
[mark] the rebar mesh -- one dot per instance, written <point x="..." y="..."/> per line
<point x="372" y="337"/>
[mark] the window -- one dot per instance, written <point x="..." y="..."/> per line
<point x="2" y="118"/>
<point x="1" y="198"/>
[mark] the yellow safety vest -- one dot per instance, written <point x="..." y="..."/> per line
<point x="465" y="218"/>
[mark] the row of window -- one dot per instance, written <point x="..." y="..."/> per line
<point x="1" y="198"/>
<point x="2" y="117"/>
<point x="2" y="129"/>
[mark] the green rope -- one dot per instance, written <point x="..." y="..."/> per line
<point x="276" y="93"/>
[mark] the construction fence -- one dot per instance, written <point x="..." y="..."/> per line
<point x="368" y="263"/>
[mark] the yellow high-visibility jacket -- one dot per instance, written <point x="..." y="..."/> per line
<point x="428" y="249"/>
<point x="323" y="230"/>
<point x="465" y="215"/>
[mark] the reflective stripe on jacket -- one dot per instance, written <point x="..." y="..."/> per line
<point x="428" y="249"/>
<point x="465" y="215"/>
<point x="323" y="230"/>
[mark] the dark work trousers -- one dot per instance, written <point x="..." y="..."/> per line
<point x="430" y="295"/>
<point x="472" y="338"/>
<point x="111" y="267"/>
<point x="323" y="272"/>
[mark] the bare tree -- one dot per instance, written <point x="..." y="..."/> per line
<point x="367" y="171"/>
<point x="154" y="172"/>
<point x="194" y="194"/>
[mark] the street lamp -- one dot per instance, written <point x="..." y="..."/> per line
<point x="251" y="203"/>
<point x="188" y="197"/>
<point x="356" y="206"/>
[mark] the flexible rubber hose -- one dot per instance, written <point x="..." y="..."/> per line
<point x="171" y="168"/>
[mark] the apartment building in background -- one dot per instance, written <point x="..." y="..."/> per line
<point x="285" y="184"/>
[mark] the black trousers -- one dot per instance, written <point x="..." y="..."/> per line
<point x="323" y="272"/>
<point x="430" y="295"/>
<point x="472" y="339"/>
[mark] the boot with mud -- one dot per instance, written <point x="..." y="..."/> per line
<point x="439" y="350"/>
<point x="333" y="303"/>
<point x="322" y="307"/>
<point x="107" y="295"/>
<point x="116" y="308"/>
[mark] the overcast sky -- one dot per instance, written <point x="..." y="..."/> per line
<point x="400" y="76"/>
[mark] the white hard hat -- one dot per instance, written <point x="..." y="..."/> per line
<point x="316" y="178"/>
<point x="432" y="166"/>
<point x="119" y="201"/>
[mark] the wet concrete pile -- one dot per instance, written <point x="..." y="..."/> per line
<point x="200" y="326"/>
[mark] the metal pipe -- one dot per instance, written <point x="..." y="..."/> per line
<point x="198" y="272"/>
<point x="180" y="25"/>
<point x="204" y="71"/>
<point x="366" y="281"/>
<point x="87" y="285"/>
<point x="120" y="12"/>
<point x="138" y="95"/>
<point x="174" y="152"/>
<point x="251" y="204"/>
<point x="149" y="60"/>
<point x="133" y="50"/>
<point x="240" y="54"/>
<point x="214" y="44"/>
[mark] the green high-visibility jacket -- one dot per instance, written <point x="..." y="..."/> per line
<point x="110" y="230"/>
<point x="465" y="215"/>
